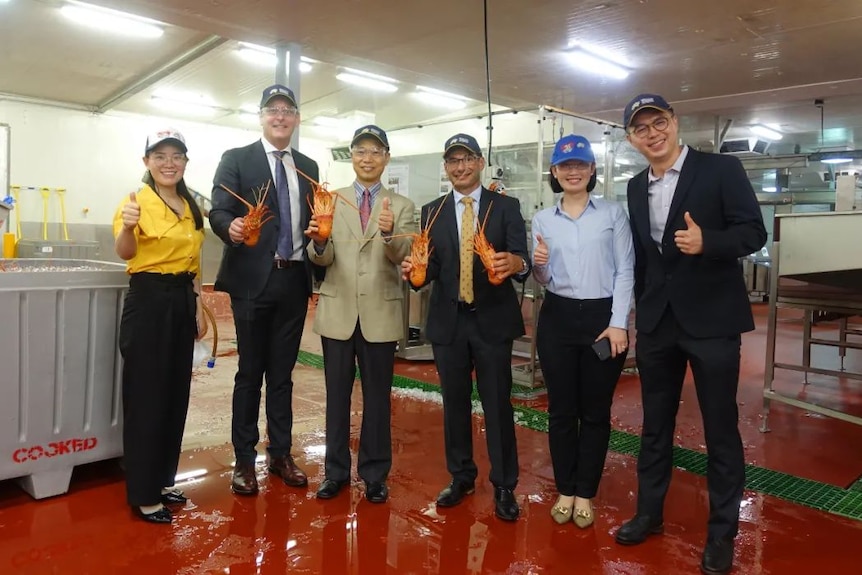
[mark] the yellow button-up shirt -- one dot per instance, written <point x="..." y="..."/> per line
<point x="167" y="243"/>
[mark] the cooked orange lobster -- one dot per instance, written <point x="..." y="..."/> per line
<point x="483" y="248"/>
<point x="258" y="213"/>
<point x="323" y="206"/>
<point x="421" y="250"/>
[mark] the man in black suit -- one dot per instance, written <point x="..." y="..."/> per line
<point x="693" y="215"/>
<point x="472" y="323"/>
<point x="269" y="283"/>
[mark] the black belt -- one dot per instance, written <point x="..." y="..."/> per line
<point x="464" y="306"/>
<point x="280" y="264"/>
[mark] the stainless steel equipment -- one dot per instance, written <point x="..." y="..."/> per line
<point x="819" y="252"/>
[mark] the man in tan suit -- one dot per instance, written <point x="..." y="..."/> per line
<point x="359" y="313"/>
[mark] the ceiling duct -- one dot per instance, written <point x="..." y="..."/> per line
<point x="745" y="146"/>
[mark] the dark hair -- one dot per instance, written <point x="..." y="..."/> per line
<point x="558" y="189"/>
<point x="183" y="191"/>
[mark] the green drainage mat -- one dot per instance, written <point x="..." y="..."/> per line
<point x="821" y="496"/>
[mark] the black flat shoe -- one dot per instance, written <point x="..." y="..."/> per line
<point x="505" y="506"/>
<point x="330" y="488"/>
<point x="637" y="529"/>
<point x="717" y="556"/>
<point x="454" y="493"/>
<point x="376" y="492"/>
<point x="163" y="515"/>
<point x="174" y="497"/>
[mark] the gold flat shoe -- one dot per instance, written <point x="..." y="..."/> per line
<point x="560" y="513"/>
<point x="583" y="518"/>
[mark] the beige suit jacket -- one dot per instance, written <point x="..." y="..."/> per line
<point x="363" y="273"/>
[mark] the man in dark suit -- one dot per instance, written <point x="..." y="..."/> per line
<point x="693" y="215"/>
<point x="472" y="323"/>
<point x="269" y="283"/>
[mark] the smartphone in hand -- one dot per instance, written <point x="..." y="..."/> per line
<point x="602" y="348"/>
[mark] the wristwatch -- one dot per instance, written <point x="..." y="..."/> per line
<point x="523" y="266"/>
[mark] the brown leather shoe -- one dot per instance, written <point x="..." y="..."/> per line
<point x="244" y="481"/>
<point x="285" y="468"/>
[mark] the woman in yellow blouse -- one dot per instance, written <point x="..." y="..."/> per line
<point x="159" y="232"/>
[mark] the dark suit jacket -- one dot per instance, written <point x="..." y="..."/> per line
<point x="244" y="270"/>
<point x="706" y="292"/>
<point x="497" y="308"/>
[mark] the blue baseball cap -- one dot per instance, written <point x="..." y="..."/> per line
<point x="642" y="102"/>
<point x="370" y="131"/>
<point x="572" y="147"/>
<point x="277" y="90"/>
<point x="462" y="141"/>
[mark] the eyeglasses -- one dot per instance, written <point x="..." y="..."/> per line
<point x="467" y="160"/>
<point x="286" y="112"/>
<point x="573" y="166"/>
<point x="642" y="130"/>
<point x="375" y="153"/>
<point x="172" y="158"/>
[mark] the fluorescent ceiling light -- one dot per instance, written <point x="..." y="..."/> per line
<point x="770" y="189"/>
<point x="837" y="160"/>
<point x="263" y="56"/>
<point x="184" y="104"/>
<point x="765" y="132"/>
<point x="596" y="61"/>
<point x="366" y="82"/>
<point x="109" y="20"/>
<point x="440" y="98"/>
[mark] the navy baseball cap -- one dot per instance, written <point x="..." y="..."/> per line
<point x="642" y="102"/>
<point x="277" y="90"/>
<point x="462" y="141"/>
<point x="370" y="131"/>
<point x="572" y="147"/>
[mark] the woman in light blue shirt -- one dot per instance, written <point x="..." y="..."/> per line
<point x="583" y="255"/>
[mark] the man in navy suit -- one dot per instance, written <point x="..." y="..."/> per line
<point x="693" y="215"/>
<point x="269" y="283"/>
<point x="472" y="323"/>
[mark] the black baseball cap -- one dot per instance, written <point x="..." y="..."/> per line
<point x="641" y="102"/>
<point x="277" y="90"/>
<point x="462" y="141"/>
<point x="370" y="131"/>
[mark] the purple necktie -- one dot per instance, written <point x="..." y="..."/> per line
<point x="365" y="209"/>
<point x="285" y="233"/>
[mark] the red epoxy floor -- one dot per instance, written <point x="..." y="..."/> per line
<point x="284" y="530"/>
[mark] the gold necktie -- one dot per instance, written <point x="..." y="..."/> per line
<point x="466" y="290"/>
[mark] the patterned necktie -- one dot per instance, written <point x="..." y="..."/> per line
<point x="285" y="233"/>
<point x="365" y="209"/>
<point x="466" y="290"/>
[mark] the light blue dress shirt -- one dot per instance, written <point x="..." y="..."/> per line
<point x="590" y="257"/>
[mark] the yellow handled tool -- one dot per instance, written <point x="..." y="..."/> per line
<point x="46" y="194"/>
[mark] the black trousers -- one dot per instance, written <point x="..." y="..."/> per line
<point x="157" y="335"/>
<point x="268" y="333"/>
<point x="493" y="364"/>
<point x="376" y="367"/>
<point x="662" y="357"/>
<point x="580" y="390"/>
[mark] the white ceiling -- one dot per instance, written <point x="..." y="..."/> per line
<point x="749" y="61"/>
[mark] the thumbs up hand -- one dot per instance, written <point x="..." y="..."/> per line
<point x="131" y="212"/>
<point x="386" y="220"/>
<point x="540" y="252"/>
<point x="690" y="240"/>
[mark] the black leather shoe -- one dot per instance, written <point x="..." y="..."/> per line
<point x="637" y="529"/>
<point x="163" y="515"/>
<point x="376" y="492"/>
<point x="330" y="488"/>
<point x="717" y="556"/>
<point x="174" y="497"/>
<point x="454" y="493"/>
<point x="505" y="506"/>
